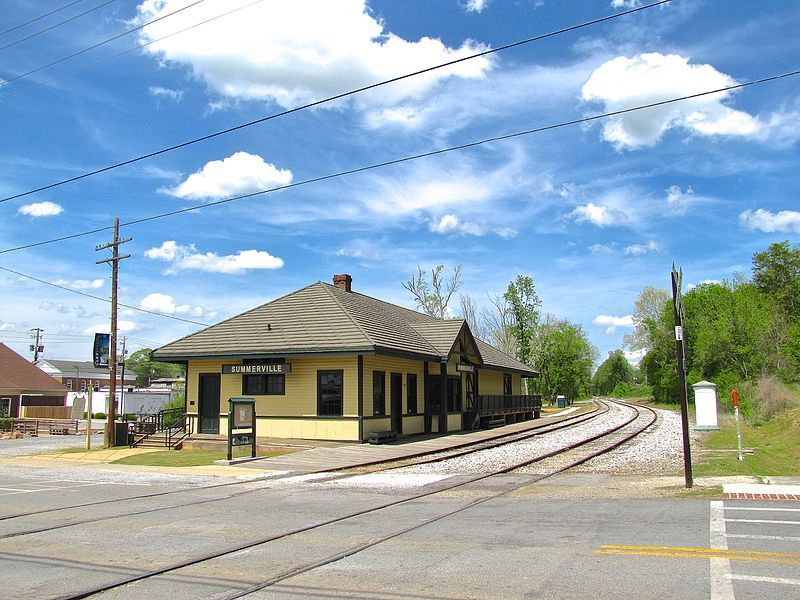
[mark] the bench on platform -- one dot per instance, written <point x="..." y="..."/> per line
<point x="379" y="437"/>
<point x="492" y="423"/>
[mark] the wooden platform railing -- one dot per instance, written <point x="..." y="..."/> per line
<point x="502" y="404"/>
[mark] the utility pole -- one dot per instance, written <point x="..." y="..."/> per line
<point x="679" y="314"/>
<point x="112" y="360"/>
<point x="36" y="348"/>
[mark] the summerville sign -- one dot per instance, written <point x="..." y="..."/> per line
<point x="257" y="369"/>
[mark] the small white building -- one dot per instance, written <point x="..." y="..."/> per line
<point x="705" y="405"/>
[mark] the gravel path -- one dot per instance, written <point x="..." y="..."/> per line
<point x="47" y="443"/>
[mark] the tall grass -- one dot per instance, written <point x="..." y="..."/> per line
<point x="767" y="397"/>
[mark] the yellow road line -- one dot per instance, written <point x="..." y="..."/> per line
<point x="748" y="555"/>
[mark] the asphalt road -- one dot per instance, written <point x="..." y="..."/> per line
<point x="522" y="545"/>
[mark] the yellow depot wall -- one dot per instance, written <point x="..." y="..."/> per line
<point x="490" y="383"/>
<point x="413" y="424"/>
<point x="324" y="428"/>
<point x="300" y="398"/>
<point x="454" y="422"/>
<point x="377" y="425"/>
<point x="392" y="365"/>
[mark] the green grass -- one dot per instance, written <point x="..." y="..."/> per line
<point x="714" y="491"/>
<point x="187" y="458"/>
<point x="776" y="446"/>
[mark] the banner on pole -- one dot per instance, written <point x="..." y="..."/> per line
<point x="102" y="343"/>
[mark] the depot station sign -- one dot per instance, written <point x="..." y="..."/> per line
<point x="257" y="369"/>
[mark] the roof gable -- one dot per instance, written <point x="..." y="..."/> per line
<point x="16" y="373"/>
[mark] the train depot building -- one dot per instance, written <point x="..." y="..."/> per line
<point x="329" y="363"/>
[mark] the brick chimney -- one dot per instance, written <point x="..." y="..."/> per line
<point x="343" y="281"/>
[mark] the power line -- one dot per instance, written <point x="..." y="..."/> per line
<point x="331" y="99"/>
<point x="66" y="289"/>
<point x="55" y="26"/>
<point x="33" y="20"/>
<point x="124" y="52"/>
<point x="397" y="161"/>
<point x="97" y="45"/>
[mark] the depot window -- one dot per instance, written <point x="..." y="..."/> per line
<point x="260" y="385"/>
<point x="330" y="393"/>
<point x="379" y="392"/>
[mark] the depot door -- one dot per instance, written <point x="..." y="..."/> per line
<point x="208" y="408"/>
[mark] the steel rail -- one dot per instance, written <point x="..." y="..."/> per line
<point x="539" y="430"/>
<point x="275" y="478"/>
<point x="374" y="542"/>
<point x="279" y="536"/>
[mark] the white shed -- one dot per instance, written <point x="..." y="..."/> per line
<point x="705" y="405"/>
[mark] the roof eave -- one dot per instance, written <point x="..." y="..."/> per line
<point x="186" y="356"/>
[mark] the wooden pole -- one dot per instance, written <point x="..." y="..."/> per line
<point x="677" y="306"/>
<point x="111" y="411"/>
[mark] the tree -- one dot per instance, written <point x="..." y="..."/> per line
<point x="647" y="311"/>
<point x="564" y="358"/>
<point x="433" y="298"/>
<point x="499" y="325"/>
<point x="524" y="304"/>
<point x="776" y="271"/>
<point x="614" y="370"/>
<point x="469" y="312"/>
<point x="147" y="369"/>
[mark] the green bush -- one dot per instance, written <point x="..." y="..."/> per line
<point x="98" y="415"/>
<point x="5" y="424"/>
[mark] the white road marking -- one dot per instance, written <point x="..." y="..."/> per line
<point x="764" y="508"/>
<point x="757" y="579"/>
<point x="51" y="488"/>
<point x="779" y="538"/>
<point x="763" y="521"/>
<point x="721" y="586"/>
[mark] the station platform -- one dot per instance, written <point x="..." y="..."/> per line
<point x="328" y="458"/>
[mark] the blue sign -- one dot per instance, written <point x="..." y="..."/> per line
<point x="102" y="343"/>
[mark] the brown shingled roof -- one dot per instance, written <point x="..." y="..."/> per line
<point x="325" y="318"/>
<point x="18" y="376"/>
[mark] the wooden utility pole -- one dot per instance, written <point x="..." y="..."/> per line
<point x="112" y="359"/>
<point x="36" y="348"/>
<point x="678" y="312"/>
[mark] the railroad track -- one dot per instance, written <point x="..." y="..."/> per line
<point x="550" y="463"/>
<point x="256" y="485"/>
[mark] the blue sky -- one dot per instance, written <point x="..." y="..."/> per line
<point x="592" y="212"/>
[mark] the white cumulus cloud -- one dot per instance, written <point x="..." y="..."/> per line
<point x="678" y="201"/>
<point x="41" y="209"/>
<point x="475" y="5"/>
<point x="240" y="173"/>
<point x="639" y="249"/>
<point x="624" y="82"/>
<point x="122" y="326"/>
<point x="784" y="221"/>
<point x="165" y="304"/>
<point x="452" y="224"/>
<point x="598" y="214"/>
<point x="188" y="258"/>
<point x="611" y="323"/>
<point x="162" y="92"/>
<point x="81" y="284"/>
<point x="295" y="52"/>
